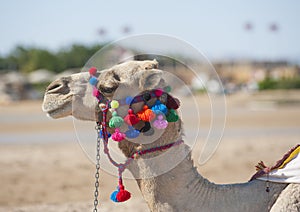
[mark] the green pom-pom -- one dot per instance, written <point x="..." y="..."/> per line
<point x="172" y="116"/>
<point x="116" y="121"/>
<point x="167" y="89"/>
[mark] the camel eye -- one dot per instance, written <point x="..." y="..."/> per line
<point x="107" y="89"/>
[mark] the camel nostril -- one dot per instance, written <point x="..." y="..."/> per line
<point x="60" y="86"/>
<point x="54" y="87"/>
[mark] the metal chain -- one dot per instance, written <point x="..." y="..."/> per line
<point x="96" y="193"/>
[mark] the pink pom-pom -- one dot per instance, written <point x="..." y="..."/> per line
<point x="93" y="71"/>
<point x="96" y="93"/>
<point x="160" y="123"/>
<point x="158" y="92"/>
<point x="118" y="135"/>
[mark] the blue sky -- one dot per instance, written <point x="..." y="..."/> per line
<point x="214" y="27"/>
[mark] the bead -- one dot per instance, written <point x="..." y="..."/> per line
<point x="114" y="104"/>
<point x="93" y="71"/>
<point x="93" y="81"/>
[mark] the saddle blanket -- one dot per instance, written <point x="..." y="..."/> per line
<point x="286" y="170"/>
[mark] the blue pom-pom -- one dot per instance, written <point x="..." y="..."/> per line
<point x="158" y="108"/>
<point x="113" y="196"/>
<point x="132" y="133"/>
<point x="129" y="100"/>
<point x="93" y="81"/>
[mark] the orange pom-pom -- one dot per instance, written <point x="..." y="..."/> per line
<point x="146" y="114"/>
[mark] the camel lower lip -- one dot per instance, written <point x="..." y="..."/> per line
<point x="58" y="112"/>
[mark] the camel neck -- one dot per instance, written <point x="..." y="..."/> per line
<point x="165" y="190"/>
<point x="182" y="188"/>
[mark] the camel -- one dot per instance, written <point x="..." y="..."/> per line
<point x="182" y="188"/>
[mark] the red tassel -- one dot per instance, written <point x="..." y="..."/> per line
<point x="123" y="194"/>
<point x="131" y="118"/>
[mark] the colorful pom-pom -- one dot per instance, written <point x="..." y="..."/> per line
<point x="146" y="127"/>
<point x="128" y="100"/>
<point x="113" y="196"/>
<point x="123" y="194"/>
<point x="101" y="134"/>
<point x="146" y="96"/>
<point x="114" y="104"/>
<point x="93" y="71"/>
<point x="146" y="114"/>
<point x="131" y="118"/>
<point x="118" y="135"/>
<point x="96" y="92"/>
<point x="167" y="89"/>
<point x="160" y="123"/>
<point x="93" y="81"/>
<point x="115" y="121"/>
<point x="158" y="92"/>
<point x="158" y="108"/>
<point x="132" y="132"/>
<point x="172" y="103"/>
<point x="172" y="116"/>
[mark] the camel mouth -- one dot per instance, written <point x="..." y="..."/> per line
<point x="61" y="112"/>
<point x="56" y="109"/>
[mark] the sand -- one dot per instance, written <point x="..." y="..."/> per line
<point x="43" y="167"/>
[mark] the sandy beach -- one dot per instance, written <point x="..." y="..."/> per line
<point x="43" y="167"/>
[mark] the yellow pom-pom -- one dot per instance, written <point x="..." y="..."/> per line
<point x="114" y="104"/>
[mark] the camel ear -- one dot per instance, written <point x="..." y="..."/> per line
<point x="150" y="79"/>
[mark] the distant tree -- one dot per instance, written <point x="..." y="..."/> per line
<point x="27" y="59"/>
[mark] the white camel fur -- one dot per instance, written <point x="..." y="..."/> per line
<point x="182" y="188"/>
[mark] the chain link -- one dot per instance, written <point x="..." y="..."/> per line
<point x="96" y="193"/>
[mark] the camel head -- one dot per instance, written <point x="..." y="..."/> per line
<point x="72" y="96"/>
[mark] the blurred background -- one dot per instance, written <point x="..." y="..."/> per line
<point x="253" y="47"/>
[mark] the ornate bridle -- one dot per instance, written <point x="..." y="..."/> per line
<point x="160" y="114"/>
